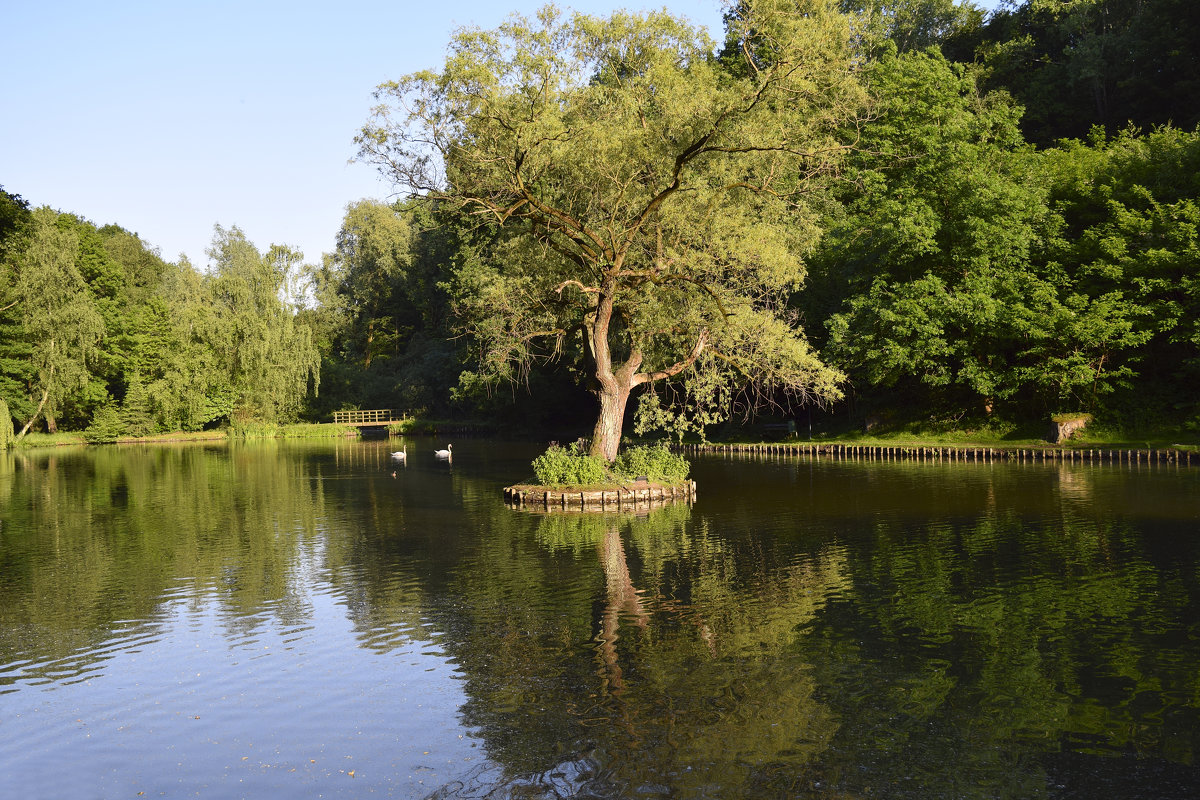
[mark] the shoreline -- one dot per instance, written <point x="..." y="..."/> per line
<point x="1083" y="453"/>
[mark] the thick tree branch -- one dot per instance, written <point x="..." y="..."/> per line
<point x="586" y="289"/>
<point x="677" y="367"/>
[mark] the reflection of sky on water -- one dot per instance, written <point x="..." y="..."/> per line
<point x="204" y="701"/>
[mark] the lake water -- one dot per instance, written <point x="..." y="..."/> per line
<point x="311" y="620"/>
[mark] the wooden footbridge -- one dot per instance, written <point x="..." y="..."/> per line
<point x="374" y="418"/>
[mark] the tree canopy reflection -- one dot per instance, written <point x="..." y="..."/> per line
<point x="676" y="668"/>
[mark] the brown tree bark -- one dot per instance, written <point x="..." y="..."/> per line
<point x="606" y="439"/>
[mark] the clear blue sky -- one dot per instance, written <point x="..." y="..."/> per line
<point x="167" y="118"/>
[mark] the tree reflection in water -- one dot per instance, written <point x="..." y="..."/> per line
<point x="699" y="679"/>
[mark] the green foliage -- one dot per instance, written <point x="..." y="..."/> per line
<point x="615" y="209"/>
<point x="325" y="430"/>
<point x="574" y="466"/>
<point x="106" y="426"/>
<point x="269" y="358"/>
<point x="569" y="466"/>
<point x="928" y="257"/>
<point x="252" y="429"/>
<point x="913" y="24"/>
<point x="1126" y="232"/>
<point x="381" y="320"/>
<point x="93" y="322"/>
<point x="62" y="323"/>
<point x="1073" y="416"/>
<point x="650" y="202"/>
<point x="1077" y="64"/>
<point x="967" y="271"/>
<point x="7" y="436"/>
<point x="655" y="462"/>
<point x="35" y="439"/>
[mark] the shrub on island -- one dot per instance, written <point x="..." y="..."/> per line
<point x="572" y="466"/>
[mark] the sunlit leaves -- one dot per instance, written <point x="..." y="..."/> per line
<point x="647" y="188"/>
<point x="61" y="321"/>
<point x="269" y="359"/>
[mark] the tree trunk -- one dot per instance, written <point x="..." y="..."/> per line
<point x="606" y="439"/>
<point x="36" y="414"/>
<point x="370" y="344"/>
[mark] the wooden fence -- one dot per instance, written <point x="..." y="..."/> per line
<point x="986" y="454"/>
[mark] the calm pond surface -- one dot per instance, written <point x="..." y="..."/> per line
<point x="294" y="620"/>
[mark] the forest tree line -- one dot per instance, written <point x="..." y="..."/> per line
<point x="1010" y="232"/>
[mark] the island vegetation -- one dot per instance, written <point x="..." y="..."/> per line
<point x="909" y="216"/>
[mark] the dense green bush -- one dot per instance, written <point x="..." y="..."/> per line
<point x="106" y="426"/>
<point x="567" y="466"/>
<point x="251" y="429"/>
<point x="655" y="462"/>
<point x="572" y="466"/>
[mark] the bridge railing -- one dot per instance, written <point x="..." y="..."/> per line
<point x="375" y="416"/>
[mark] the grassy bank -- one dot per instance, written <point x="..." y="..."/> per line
<point x="236" y="433"/>
<point x="996" y="435"/>
<point x="299" y="430"/>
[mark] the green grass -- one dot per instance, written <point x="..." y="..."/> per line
<point x="317" y="430"/>
<point x="1087" y="439"/>
<point x="245" y="432"/>
<point x="299" y="430"/>
<point x="62" y="438"/>
<point x="176" y="436"/>
<point x="994" y="434"/>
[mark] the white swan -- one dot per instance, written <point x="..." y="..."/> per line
<point x="401" y="454"/>
<point x="444" y="453"/>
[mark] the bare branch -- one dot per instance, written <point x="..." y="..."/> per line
<point x="588" y="289"/>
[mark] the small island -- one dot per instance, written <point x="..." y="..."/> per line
<point x="570" y="478"/>
<point x="632" y="495"/>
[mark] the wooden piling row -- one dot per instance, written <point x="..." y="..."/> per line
<point x="954" y="454"/>
<point x="638" y="495"/>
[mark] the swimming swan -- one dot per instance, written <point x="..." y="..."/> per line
<point x="444" y="453"/>
<point x="401" y="454"/>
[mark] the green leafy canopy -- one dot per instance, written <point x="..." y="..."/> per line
<point x="652" y="201"/>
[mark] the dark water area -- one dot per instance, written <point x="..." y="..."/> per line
<point x="298" y="619"/>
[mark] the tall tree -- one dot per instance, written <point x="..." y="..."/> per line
<point x="937" y="259"/>
<point x="191" y="386"/>
<point x="61" y="321"/>
<point x="381" y="311"/>
<point x="914" y="24"/>
<point x="1127" y="214"/>
<point x="269" y="358"/>
<point x="363" y="279"/>
<point x="1079" y="63"/>
<point x="15" y="370"/>
<point x="653" y="200"/>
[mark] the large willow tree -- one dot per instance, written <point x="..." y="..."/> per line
<point x="652" y="199"/>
